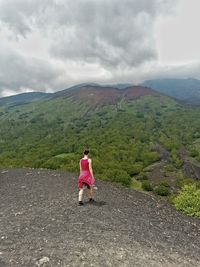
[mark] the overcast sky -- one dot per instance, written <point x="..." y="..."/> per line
<point x="49" y="45"/>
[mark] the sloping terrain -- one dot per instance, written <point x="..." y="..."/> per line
<point x="104" y="95"/>
<point x="42" y="225"/>
<point x="124" y="125"/>
<point x="24" y="98"/>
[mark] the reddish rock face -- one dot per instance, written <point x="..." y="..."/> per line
<point x="100" y="96"/>
<point x="97" y="96"/>
<point x="135" y="92"/>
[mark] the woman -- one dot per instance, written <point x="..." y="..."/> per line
<point x="86" y="177"/>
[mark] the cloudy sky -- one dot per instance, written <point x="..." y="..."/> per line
<point x="49" y="45"/>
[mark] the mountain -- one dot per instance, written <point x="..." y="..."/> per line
<point x="134" y="133"/>
<point x="187" y="90"/>
<point x="96" y="95"/>
<point x="23" y="98"/>
<point x="90" y="92"/>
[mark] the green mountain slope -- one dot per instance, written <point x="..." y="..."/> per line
<point x="122" y="128"/>
<point x="23" y="98"/>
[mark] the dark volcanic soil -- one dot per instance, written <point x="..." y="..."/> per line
<point x="42" y="225"/>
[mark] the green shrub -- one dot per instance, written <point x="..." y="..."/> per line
<point x="135" y="184"/>
<point x="161" y="190"/>
<point x="142" y="176"/>
<point x="185" y="181"/>
<point x="169" y="168"/>
<point x="194" y="153"/>
<point x="149" y="157"/>
<point x="51" y="164"/>
<point x="175" y="160"/>
<point x="37" y="163"/>
<point x="147" y="186"/>
<point x="140" y="115"/>
<point x="118" y="176"/>
<point x="114" y="175"/>
<point x="188" y="200"/>
<point x="134" y="169"/>
<point x="165" y="183"/>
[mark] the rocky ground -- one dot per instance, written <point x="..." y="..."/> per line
<point x="42" y="225"/>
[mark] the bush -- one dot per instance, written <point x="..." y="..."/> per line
<point x="142" y="176"/>
<point x="188" y="200"/>
<point x="169" y="168"/>
<point x="175" y="160"/>
<point x="185" y="181"/>
<point x="118" y="176"/>
<point x="134" y="169"/>
<point x="149" y="157"/>
<point x="137" y="185"/>
<point x="162" y="190"/>
<point x="51" y="164"/>
<point x="194" y="153"/>
<point x="165" y="183"/>
<point x="147" y="186"/>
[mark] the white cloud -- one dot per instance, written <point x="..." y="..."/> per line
<point x="19" y="71"/>
<point x="51" y="44"/>
<point x="177" y="37"/>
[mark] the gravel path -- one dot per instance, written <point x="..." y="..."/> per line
<point x="42" y="225"/>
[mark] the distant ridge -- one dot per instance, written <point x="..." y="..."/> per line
<point x="97" y="95"/>
<point x="93" y="93"/>
<point x="24" y="98"/>
<point x="187" y="90"/>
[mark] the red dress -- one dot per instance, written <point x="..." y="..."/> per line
<point x="85" y="176"/>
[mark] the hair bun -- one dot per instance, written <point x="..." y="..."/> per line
<point x="86" y="152"/>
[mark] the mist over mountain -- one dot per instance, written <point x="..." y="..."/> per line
<point x="187" y="90"/>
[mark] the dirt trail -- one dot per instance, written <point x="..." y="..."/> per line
<point x="42" y="225"/>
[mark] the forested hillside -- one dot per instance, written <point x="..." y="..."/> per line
<point x="138" y="138"/>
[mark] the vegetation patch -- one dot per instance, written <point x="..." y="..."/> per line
<point x="162" y="190"/>
<point x="147" y="185"/>
<point x="188" y="200"/>
<point x="137" y="185"/>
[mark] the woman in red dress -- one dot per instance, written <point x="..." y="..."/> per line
<point x="86" y="177"/>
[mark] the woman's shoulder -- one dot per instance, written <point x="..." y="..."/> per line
<point x="89" y="159"/>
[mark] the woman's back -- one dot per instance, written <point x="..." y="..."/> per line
<point x="84" y="164"/>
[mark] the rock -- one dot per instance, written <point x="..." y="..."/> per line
<point x="4" y="171"/>
<point x="43" y="260"/>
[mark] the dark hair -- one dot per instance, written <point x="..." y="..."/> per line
<point x="86" y="152"/>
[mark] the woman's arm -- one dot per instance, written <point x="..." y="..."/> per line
<point x="80" y="166"/>
<point x="90" y="167"/>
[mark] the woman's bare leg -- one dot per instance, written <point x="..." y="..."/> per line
<point x="90" y="193"/>
<point x="80" y="195"/>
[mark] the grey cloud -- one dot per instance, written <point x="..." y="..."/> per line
<point x="21" y="15"/>
<point x="93" y="40"/>
<point x="18" y="72"/>
<point x="111" y="33"/>
<point x="156" y="71"/>
<point x="180" y="71"/>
